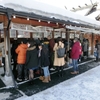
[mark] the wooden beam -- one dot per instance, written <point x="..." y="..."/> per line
<point x="32" y="22"/>
<point x="35" y="22"/>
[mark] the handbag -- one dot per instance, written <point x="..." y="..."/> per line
<point x="60" y="52"/>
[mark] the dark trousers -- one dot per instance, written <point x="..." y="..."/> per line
<point x="60" y="71"/>
<point x="51" y="59"/>
<point x="14" y="66"/>
<point x="3" y="61"/>
<point x="85" y="53"/>
<point x="26" y="73"/>
<point x="14" y="69"/>
<point x="20" y="69"/>
<point x="97" y="57"/>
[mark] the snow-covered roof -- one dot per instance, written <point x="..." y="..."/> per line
<point x="48" y="10"/>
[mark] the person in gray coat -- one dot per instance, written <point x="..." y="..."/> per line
<point x="85" y="48"/>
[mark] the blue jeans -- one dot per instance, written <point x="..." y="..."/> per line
<point x="97" y="56"/>
<point x="75" y="64"/>
<point x="46" y="71"/>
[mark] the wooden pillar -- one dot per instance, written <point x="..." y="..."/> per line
<point x="7" y="52"/>
<point x="67" y="34"/>
<point x="0" y="36"/>
<point x="92" y="44"/>
<point x="68" y="38"/>
<point x="53" y="34"/>
<point x="31" y="35"/>
<point x="16" y="33"/>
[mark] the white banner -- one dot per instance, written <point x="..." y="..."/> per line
<point x="57" y="34"/>
<point x="12" y="33"/>
<point x="23" y="34"/>
<point x="63" y="35"/>
<point x="1" y="26"/>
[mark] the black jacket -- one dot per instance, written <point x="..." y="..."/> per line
<point x="44" y="58"/>
<point x="31" y="58"/>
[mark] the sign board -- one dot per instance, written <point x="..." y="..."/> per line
<point x="26" y="34"/>
<point x="71" y="35"/>
<point x="12" y="33"/>
<point x="77" y="35"/>
<point x="37" y="35"/>
<point x="57" y="34"/>
<point x="23" y="27"/>
<point x="23" y="34"/>
<point x="63" y="35"/>
<point x="46" y="34"/>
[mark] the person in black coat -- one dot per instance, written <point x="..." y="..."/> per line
<point x="14" y="57"/>
<point x="44" y="62"/>
<point x="31" y="59"/>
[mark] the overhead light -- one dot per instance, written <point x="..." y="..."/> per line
<point x="28" y="18"/>
<point x="48" y="22"/>
<point x="39" y="20"/>
<point x="14" y="16"/>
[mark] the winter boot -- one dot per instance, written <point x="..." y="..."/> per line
<point x="62" y="71"/>
<point x="45" y="80"/>
<point x="41" y="78"/>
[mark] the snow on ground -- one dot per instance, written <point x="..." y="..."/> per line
<point x="4" y="96"/>
<point x="82" y="87"/>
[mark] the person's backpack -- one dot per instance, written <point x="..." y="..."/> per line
<point x="60" y="52"/>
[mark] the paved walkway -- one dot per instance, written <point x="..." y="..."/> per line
<point x="85" y="86"/>
<point x="25" y="89"/>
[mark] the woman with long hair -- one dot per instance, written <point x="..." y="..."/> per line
<point x="58" y="62"/>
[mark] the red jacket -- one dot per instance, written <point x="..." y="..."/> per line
<point x="21" y="51"/>
<point x="75" y="52"/>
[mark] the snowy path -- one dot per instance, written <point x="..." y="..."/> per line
<point x="85" y="86"/>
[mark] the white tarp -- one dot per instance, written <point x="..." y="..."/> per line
<point x="83" y="29"/>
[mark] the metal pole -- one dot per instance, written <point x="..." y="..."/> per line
<point x="9" y="14"/>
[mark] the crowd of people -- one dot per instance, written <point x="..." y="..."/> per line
<point x="42" y="55"/>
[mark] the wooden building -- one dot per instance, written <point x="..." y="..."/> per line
<point x="30" y="25"/>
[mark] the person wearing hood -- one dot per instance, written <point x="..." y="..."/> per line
<point x="75" y="53"/>
<point x="21" y="58"/>
<point x="31" y="59"/>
